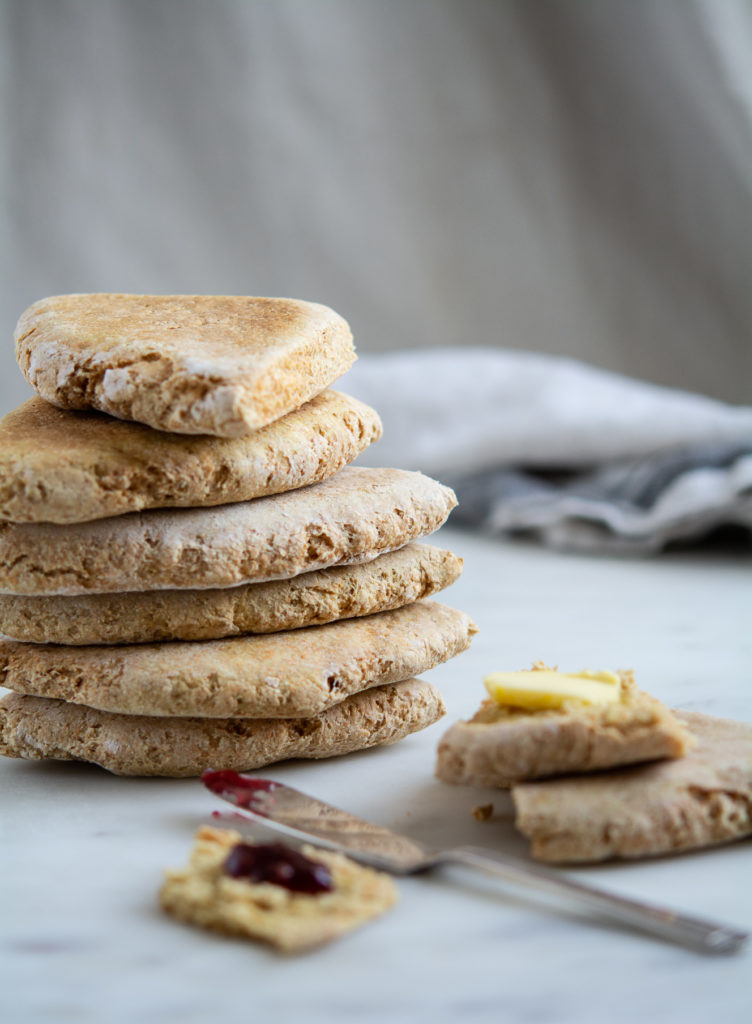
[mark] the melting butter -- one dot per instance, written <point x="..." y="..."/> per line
<point x="541" y="689"/>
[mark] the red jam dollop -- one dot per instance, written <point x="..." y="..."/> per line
<point x="278" y="864"/>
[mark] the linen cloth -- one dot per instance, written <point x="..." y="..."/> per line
<point x="582" y="457"/>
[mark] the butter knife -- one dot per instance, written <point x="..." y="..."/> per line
<point x="288" y="810"/>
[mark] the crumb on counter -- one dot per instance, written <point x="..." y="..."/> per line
<point x="483" y="812"/>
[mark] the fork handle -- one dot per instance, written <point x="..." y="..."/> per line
<point x="702" y="936"/>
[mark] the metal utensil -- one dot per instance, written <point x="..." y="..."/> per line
<point x="287" y="809"/>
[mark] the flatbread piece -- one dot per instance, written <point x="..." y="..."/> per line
<point x="347" y="591"/>
<point x="39" y="729"/>
<point x="203" y="894"/>
<point x="500" y="746"/>
<point x="699" y="800"/>
<point x="351" y="517"/>
<point x="190" y="364"/>
<point x="70" y="467"/>
<point x="279" y="675"/>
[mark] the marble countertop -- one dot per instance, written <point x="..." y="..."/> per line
<point x="83" y="852"/>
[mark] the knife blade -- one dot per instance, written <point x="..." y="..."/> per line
<point x="305" y="817"/>
<point x="288" y="810"/>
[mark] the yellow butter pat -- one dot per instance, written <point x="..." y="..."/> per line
<point x="540" y="688"/>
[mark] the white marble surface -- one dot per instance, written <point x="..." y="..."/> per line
<point x="83" y="852"/>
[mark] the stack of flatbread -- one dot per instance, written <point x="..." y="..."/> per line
<point x="191" y="574"/>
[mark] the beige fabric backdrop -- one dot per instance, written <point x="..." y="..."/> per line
<point x="571" y="177"/>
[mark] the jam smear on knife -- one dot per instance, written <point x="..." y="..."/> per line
<point x="241" y="789"/>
